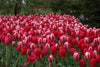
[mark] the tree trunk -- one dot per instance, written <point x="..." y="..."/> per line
<point x="17" y="7"/>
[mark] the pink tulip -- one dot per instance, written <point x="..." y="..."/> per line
<point x="98" y="48"/>
<point x="50" y="60"/>
<point x="66" y="45"/>
<point x="7" y="40"/>
<point x="76" y="56"/>
<point x="87" y="56"/>
<point x="13" y="43"/>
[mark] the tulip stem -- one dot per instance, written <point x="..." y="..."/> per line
<point x="39" y="64"/>
<point x="75" y="63"/>
<point x="7" y="55"/>
<point x="20" y="59"/>
<point x="88" y="63"/>
<point x="49" y="64"/>
<point x="66" y="60"/>
<point x="62" y="61"/>
<point x="31" y="64"/>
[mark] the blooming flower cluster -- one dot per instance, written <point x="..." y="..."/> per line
<point x="51" y="34"/>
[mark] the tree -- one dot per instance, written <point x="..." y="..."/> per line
<point x="17" y="7"/>
<point x="89" y="9"/>
<point x="6" y="6"/>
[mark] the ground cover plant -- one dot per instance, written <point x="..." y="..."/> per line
<point x="48" y="41"/>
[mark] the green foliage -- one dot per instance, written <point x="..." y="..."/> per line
<point x="7" y="6"/>
<point x="89" y="9"/>
<point x="37" y="11"/>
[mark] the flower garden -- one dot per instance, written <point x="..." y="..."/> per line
<point x="48" y="41"/>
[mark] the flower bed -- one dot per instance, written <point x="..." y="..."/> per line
<point x="49" y="41"/>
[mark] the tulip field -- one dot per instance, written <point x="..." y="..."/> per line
<point x="48" y="41"/>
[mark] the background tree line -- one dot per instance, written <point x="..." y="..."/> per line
<point x="86" y="10"/>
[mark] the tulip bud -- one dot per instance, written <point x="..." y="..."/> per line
<point x="93" y="63"/>
<point x="13" y="43"/>
<point x="24" y="51"/>
<point x="87" y="56"/>
<point x="32" y="46"/>
<point x="28" y="51"/>
<point x="54" y="51"/>
<point x="32" y="58"/>
<point x="44" y="40"/>
<point x="98" y="58"/>
<point x="7" y="40"/>
<point x="98" y="48"/>
<point x="18" y="48"/>
<point x="86" y="40"/>
<point x="76" y="56"/>
<point x="62" y="53"/>
<point x="72" y="50"/>
<point x="51" y="58"/>
<point x="66" y="45"/>
<point x="82" y="63"/>
<point x="40" y="40"/>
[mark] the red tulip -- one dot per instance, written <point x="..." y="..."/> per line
<point x="32" y="46"/>
<point x="86" y="40"/>
<point x="91" y="47"/>
<point x="0" y="39"/>
<point x="28" y="44"/>
<point x="28" y="51"/>
<point x="24" y="51"/>
<point x="98" y="58"/>
<point x="81" y="35"/>
<point x="68" y="39"/>
<point x="48" y="37"/>
<point x="42" y="53"/>
<point x="51" y="58"/>
<point x="94" y="54"/>
<point x="32" y="58"/>
<point x="18" y="48"/>
<point x="93" y="63"/>
<point x="37" y="52"/>
<point x="36" y="46"/>
<point x="26" y="64"/>
<point x="72" y="50"/>
<point x="99" y="40"/>
<point x="73" y="33"/>
<point x="82" y="63"/>
<point x="62" y="53"/>
<point x="95" y="41"/>
<point x="56" y="45"/>
<point x="83" y="46"/>
<point x="44" y="40"/>
<point x="34" y="39"/>
<point x="7" y="40"/>
<point x="54" y="51"/>
<point x="46" y="49"/>
<point x="40" y="40"/>
<point x="19" y="44"/>
<point x="79" y="43"/>
<point x="62" y="39"/>
<point x="74" y="41"/>
<point x="98" y="48"/>
<point x="66" y="45"/>
<point x="52" y="36"/>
